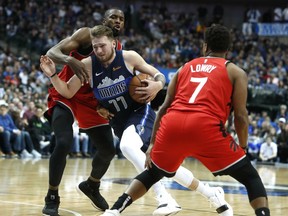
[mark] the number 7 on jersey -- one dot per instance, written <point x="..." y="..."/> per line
<point x="201" y="82"/>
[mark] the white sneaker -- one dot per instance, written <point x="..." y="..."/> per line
<point x="167" y="206"/>
<point x="36" y="154"/>
<point x="218" y="201"/>
<point x="109" y="212"/>
<point x="26" y="154"/>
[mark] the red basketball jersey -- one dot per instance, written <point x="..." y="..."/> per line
<point x="194" y="123"/>
<point x="196" y="92"/>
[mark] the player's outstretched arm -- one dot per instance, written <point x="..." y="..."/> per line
<point x="60" y="52"/>
<point x="67" y="90"/>
<point x="239" y="102"/>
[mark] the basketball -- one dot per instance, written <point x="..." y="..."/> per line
<point x="136" y="82"/>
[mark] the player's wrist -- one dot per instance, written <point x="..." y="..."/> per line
<point x="244" y="147"/>
<point x="160" y="77"/>
<point x="53" y="75"/>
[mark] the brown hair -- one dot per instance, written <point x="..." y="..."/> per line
<point x="101" y="30"/>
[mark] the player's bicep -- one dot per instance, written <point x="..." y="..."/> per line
<point x="73" y="85"/>
<point x="239" y="97"/>
<point x="79" y="38"/>
<point x="137" y="63"/>
<point x="170" y="95"/>
<point x="67" y="45"/>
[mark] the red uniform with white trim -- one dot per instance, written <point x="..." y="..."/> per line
<point x="194" y="124"/>
<point x="83" y="104"/>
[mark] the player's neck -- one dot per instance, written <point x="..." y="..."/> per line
<point x="216" y="54"/>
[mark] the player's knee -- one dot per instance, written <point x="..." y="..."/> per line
<point x="252" y="182"/>
<point x="126" y="148"/>
<point x="107" y="154"/>
<point x="149" y="178"/>
<point x="255" y="188"/>
<point x="64" y="142"/>
<point x="184" y="177"/>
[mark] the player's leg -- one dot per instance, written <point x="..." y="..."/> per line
<point x="249" y="177"/>
<point x="215" y="195"/>
<point x="62" y="120"/>
<point x="169" y="151"/>
<point x="138" y="187"/>
<point x="131" y="145"/>
<point x="101" y="137"/>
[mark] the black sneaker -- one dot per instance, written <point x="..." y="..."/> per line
<point x="94" y="195"/>
<point x="52" y="203"/>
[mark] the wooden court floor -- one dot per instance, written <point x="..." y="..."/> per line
<point x="24" y="185"/>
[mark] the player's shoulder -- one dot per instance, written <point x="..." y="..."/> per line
<point x="82" y="35"/>
<point x="83" y="30"/>
<point x="233" y="67"/>
<point x="130" y="54"/>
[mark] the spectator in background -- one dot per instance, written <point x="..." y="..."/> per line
<point x="30" y="112"/>
<point x="5" y="145"/>
<point x="11" y="135"/>
<point x="40" y="130"/>
<point x="27" y="147"/>
<point x="281" y="125"/>
<point x="268" y="151"/>
<point x="282" y="141"/>
<point x="282" y="112"/>
<point x="254" y="143"/>
<point x="80" y="143"/>
<point x="252" y="17"/>
<point x="264" y="115"/>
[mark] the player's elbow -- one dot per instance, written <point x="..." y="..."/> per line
<point x="49" y="53"/>
<point x="241" y="119"/>
<point x="65" y="93"/>
<point x="68" y="95"/>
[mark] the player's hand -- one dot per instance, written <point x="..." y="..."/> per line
<point x="79" y="69"/>
<point x="148" y="161"/>
<point x="150" y="91"/>
<point x="103" y="112"/>
<point x="47" y="66"/>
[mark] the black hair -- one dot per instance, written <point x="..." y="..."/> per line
<point x="218" y="38"/>
<point x="108" y="12"/>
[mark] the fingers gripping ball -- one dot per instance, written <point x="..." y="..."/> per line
<point x="136" y="82"/>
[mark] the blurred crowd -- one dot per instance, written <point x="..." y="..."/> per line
<point x="164" y="38"/>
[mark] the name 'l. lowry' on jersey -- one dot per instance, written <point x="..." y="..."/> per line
<point x="202" y="68"/>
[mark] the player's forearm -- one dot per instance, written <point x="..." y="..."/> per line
<point x="241" y="128"/>
<point x="58" y="56"/>
<point x="161" y="78"/>
<point x="61" y="87"/>
<point x="162" y="110"/>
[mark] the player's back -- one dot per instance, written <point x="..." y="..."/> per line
<point x="203" y="86"/>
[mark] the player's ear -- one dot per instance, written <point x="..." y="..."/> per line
<point x="204" y="48"/>
<point x="114" y="44"/>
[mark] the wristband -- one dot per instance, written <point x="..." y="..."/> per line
<point x="53" y="75"/>
<point x="160" y="77"/>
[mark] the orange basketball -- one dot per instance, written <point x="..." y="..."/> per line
<point x="136" y="82"/>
